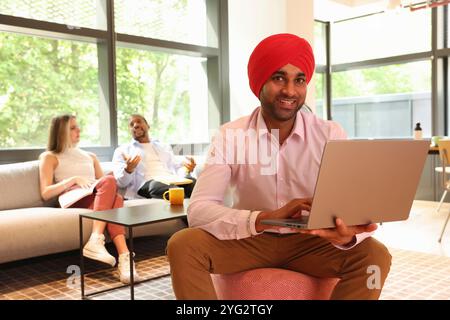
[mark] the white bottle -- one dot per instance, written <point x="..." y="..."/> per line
<point x="418" y="132"/>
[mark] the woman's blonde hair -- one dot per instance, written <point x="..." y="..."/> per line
<point x="59" y="135"/>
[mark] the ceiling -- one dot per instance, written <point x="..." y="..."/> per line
<point x="356" y="2"/>
<point x="334" y="10"/>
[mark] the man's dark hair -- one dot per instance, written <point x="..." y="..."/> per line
<point x="139" y="116"/>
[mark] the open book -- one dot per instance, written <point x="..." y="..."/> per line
<point x="172" y="179"/>
<point x="70" y="197"/>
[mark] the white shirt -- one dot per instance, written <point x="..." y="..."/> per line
<point x="153" y="166"/>
<point x="133" y="181"/>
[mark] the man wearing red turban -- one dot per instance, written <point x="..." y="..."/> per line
<point x="276" y="51"/>
<point x="223" y="239"/>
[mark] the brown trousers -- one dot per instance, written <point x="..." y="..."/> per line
<point x="194" y="254"/>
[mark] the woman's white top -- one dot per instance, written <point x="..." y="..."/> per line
<point x="74" y="162"/>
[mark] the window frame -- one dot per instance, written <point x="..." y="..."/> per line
<point x="439" y="73"/>
<point x="106" y="41"/>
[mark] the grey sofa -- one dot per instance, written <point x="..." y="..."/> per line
<point x="30" y="227"/>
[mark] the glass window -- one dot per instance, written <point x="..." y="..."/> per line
<point x="381" y="35"/>
<point x="320" y="52"/>
<point x="41" y="78"/>
<point x="443" y="40"/>
<point x="173" y="20"/>
<point x="171" y="91"/>
<point x="383" y="102"/>
<point x="320" y="95"/>
<point x="86" y="13"/>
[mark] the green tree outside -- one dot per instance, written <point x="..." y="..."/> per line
<point x="404" y="78"/>
<point x="43" y="77"/>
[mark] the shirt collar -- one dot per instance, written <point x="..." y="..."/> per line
<point x="298" y="130"/>
<point x="299" y="126"/>
<point x="261" y="127"/>
<point x="137" y="143"/>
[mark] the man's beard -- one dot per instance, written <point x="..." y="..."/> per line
<point x="138" y="134"/>
<point x="278" y="114"/>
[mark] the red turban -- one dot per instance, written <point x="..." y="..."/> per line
<point x="273" y="53"/>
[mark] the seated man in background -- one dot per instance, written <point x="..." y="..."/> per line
<point x="147" y="168"/>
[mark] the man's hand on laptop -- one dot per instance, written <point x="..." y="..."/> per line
<point x="342" y="235"/>
<point x="293" y="209"/>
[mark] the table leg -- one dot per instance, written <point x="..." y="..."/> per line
<point x="80" y="222"/>
<point x="131" y="263"/>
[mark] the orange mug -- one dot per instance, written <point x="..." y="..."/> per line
<point x="176" y="196"/>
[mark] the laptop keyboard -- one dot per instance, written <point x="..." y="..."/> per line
<point x="302" y="219"/>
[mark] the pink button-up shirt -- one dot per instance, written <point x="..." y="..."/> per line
<point x="262" y="174"/>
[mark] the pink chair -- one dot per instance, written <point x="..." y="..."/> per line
<point x="272" y="284"/>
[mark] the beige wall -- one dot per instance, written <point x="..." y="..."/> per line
<point x="250" y="21"/>
<point x="300" y="21"/>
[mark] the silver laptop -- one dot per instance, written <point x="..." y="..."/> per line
<point x="364" y="181"/>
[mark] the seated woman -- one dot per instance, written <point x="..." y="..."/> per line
<point x="64" y="167"/>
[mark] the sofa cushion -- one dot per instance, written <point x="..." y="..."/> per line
<point x="31" y="232"/>
<point x="107" y="167"/>
<point x="30" y="227"/>
<point x="19" y="186"/>
<point x="38" y="231"/>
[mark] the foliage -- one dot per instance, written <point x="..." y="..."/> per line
<point x="44" y="77"/>
<point x="390" y="79"/>
<point x="152" y="84"/>
<point x="41" y="78"/>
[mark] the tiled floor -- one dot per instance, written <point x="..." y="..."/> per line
<point x="53" y="277"/>
<point x="420" y="268"/>
<point x="417" y="276"/>
<point x="420" y="232"/>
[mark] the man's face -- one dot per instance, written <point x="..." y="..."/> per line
<point x="138" y="128"/>
<point x="284" y="93"/>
